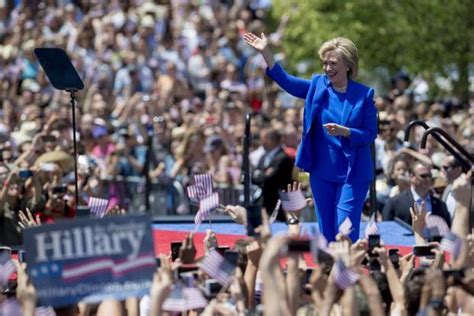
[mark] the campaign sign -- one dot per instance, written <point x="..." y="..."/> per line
<point x="90" y="259"/>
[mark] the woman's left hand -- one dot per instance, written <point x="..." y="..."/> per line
<point x="337" y="130"/>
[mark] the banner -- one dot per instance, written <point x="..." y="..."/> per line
<point x="90" y="259"/>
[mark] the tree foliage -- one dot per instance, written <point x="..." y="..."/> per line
<point x="418" y="35"/>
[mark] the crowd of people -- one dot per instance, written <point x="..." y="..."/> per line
<point x="167" y="87"/>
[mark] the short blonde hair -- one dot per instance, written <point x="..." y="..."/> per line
<point x="348" y="51"/>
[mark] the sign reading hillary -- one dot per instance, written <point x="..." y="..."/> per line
<point x="90" y="259"/>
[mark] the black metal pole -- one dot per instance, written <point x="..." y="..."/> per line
<point x="246" y="161"/>
<point x="146" y="169"/>
<point x="467" y="165"/>
<point x="74" y="130"/>
<point x="373" y="190"/>
<point x="449" y="145"/>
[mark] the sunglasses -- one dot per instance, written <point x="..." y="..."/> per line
<point x="425" y="176"/>
<point x="448" y="167"/>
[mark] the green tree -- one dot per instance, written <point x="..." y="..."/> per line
<point x="429" y="36"/>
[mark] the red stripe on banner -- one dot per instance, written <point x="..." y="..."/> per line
<point x="92" y="267"/>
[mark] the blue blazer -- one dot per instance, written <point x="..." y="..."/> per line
<point x="359" y="114"/>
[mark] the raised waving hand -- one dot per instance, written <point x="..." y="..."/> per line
<point x="261" y="45"/>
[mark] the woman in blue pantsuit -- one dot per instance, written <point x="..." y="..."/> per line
<point x="339" y="124"/>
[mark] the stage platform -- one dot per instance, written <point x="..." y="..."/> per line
<point x="392" y="234"/>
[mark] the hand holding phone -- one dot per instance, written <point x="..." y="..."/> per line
<point x="374" y="241"/>
<point x="187" y="251"/>
<point x="254" y="219"/>
<point x="394" y="257"/>
<point x="175" y="246"/>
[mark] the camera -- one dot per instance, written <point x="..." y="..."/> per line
<point x="423" y="250"/>
<point x="374" y="264"/>
<point x="59" y="190"/>
<point x="394" y="257"/>
<point x="299" y="245"/>
<point x="175" y="247"/>
<point x="254" y="219"/>
<point x="374" y="241"/>
<point x="25" y="174"/>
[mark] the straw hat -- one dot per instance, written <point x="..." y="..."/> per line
<point x="62" y="158"/>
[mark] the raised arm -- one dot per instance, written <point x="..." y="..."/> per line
<point x="462" y="193"/>
<point x="260" y="44"/>
<point x="295" y="86"/>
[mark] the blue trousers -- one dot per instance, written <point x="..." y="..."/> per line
<point x="336" y="201"/>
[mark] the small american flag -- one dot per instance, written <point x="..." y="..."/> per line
<point x="206" y="180"/>
<point x="196" y="192"/>
<point x="436" y="222"/>
<point x="371" y="228"/>
<point x="6" y="270"/>
<point x="98" y="206"/>
<point x="344" y="277"/>
<point x="206" y="205"/>
<point x="44" y="311"/>
<point x="346" y="227"/>
<point x="217" y="267"/>
<point x="292" y="201"/>
<point x="430" y="232"/>
<point x="183" y="298"/>
<point x="202" y="187"/>
<point x="452" y="244"/>
<point x="10" y="307"/>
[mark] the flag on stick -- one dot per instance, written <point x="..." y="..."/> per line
<point x="98" y="206"/>
<point x="183" y="298"/>
<point x="344" y="277"/>
<point x="435" y="222"/>
<point x="292" y="201"/>
<point x="371" y="228"/>
<point x="346" y="227"/>
<point x="206" y="205"/>
<point x="217" y="267"/>
<point x="452" y="244"/>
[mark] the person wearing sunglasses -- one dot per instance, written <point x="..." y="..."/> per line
<point x="451" y="170"/>
<point x="421" y="182"/>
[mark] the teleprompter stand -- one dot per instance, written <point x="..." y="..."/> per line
<point x="63" y="76"/>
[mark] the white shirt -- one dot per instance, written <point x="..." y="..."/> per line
<point x="451" y="203"/>
<point x="418" y="199"/>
